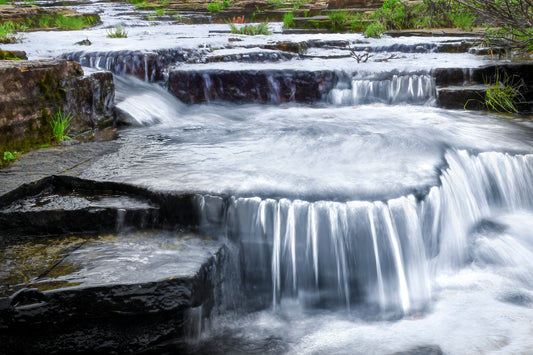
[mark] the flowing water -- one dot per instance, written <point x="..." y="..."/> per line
<point x="360" y="227"/>
<point x="368" y="222"/>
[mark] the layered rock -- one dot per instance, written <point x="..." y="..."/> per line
<point x="32" y="92"/>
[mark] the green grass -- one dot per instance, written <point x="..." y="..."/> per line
<point x="117" y="32"/>
<point x="218" y="6"/>
<point x="502" y="94"/>
<point x="60" y="124"/>
<point x="63" y="22"/>
<point x="8" y="32"/>
<point x="288" y="20"/>
<point x="251" y="30"/>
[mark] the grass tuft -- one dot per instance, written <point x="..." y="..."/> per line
<point x="60" y="124"/>
<point x="117" y="32"/>
<point x="251" y="30"/>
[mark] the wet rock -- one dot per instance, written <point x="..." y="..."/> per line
<point x="294" y="47"/>
<point x="89" y="302"/>
<point x="91" y="99"/>
<point x="269" y="86"/>
<point x="149" y="66"/>
<point x="63" y="204"/>
<point x="12" y="55"/>
<point x="461" y="97"/>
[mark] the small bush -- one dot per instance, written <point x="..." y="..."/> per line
<point x="215" y="7"/>
<point x="464" y="20"/>
<point x="117" y="32"/>
<point x="251" y="30"/>
<point x="338" y="19"/>
<point x="60" y="124"/>
<point x="375" y="29"/>
<point x="288" y="20"/>
<point x="503" y="94"/>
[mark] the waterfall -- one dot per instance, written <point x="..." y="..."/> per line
<point x="400" y="88"/>
<point x="383" y="254"/>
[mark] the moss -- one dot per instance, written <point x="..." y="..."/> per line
<point x="51" y="89"/>
<point x="7" y="55"/>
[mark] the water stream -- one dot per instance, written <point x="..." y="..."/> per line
<point x="369" y="222"/>
<point x="360" y="227"/>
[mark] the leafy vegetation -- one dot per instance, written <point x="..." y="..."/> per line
<point x="117" y="32"/>
<point x="288" y="20"/>
<point x="218" y="6"/>
<point x="251" y="30"/>
<point x="8" y="32"/>
<point x="338" y="19"/>
<point x="8" y="156"/>
<point x="60" y="124"/>
<point x="375" y="29"/>
<point x="506" y="20"/>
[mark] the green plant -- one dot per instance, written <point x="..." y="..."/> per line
<point x="338" y="19"/>
<point x="512" y="18"/>
<point x="393" y="14"/>
<point x="117" y="32"/>
<point x="251" y="30"/>
<point x="277" y="3"/>
<point x="8" y="32"/>
<point x="60" y="124"/>
<point x="215" y="7"/>
<point x="375" y="29"/>
<point x="464" y="20"/>
<point x="502" y="93"/>
<point x="71" y="22"/>
<point x="8" y="156"/>
<point x="160" y="12"/>
<point x="288" y="20"/>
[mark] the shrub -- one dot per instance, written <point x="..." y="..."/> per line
<point x="60" y="124"/>
<point x="512" y="18"/>
<point x="464" y="20"/>
<point x="117" y="32"/>
<point x="375" y="29"/>
<point x="338" y="19"/>
<point x="217" y="6"/>
<point x="288" y="20"/>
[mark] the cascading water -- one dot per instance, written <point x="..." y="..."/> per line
<point x="400" y="88"/>
<point x="373" y="225"/>
<point x="383" y="254"/>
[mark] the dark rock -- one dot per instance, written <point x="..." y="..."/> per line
<point x="91" y="100"/>
<point x="269" y="86"/>
<point x="461" y="97"/>
<point x="63" y="204"/>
